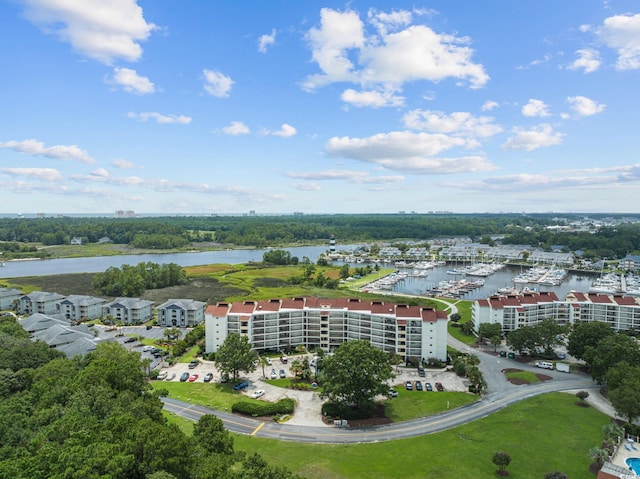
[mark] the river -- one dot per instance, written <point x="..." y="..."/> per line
<point x="413" y="285"/>
<point x="98" y="264"/>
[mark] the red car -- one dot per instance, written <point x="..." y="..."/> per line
<point x="193" y="377"/>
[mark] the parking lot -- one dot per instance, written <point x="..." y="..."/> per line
<point x="309" y="403"/>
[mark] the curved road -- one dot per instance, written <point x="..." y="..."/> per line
<point x="500" y="394"/>
<point x="417" y="427"/>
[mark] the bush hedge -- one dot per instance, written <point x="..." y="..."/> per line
<point x="343" y="411"/>
<point x="284" y="406"/>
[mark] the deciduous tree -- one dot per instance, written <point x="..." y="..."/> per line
<point x="584" y="334"/>
<point x="235" y="356"/>
<point x="355" y="374"/>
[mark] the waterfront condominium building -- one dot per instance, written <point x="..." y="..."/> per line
<point x="514" y="311"/>
<point x="413" y="332"/>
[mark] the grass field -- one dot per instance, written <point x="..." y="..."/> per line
<point x="541" y="434"/>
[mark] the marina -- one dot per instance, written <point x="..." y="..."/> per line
<point x="441" y="282"/>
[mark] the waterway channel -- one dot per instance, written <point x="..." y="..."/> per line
<point x="411" y="285"/>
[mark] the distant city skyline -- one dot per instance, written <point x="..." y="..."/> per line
<point x="166" y="108"/>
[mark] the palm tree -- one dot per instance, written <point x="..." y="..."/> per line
<point x="612" y="432"/>
<point x="262" y="362"/>
<point x="598" y="455"/>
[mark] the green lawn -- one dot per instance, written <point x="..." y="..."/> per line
<point x="542" y="434"/>
<point x="414" y="404"/>
<point x="527" y="376"/>
<point x="213" y="395"/>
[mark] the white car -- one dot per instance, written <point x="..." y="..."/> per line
<point x="162" y="375"/>
<point x="274" y="375"/>
<point x="257" y="394"/>
<point x="269" y="362"/>
<point x="171" y="377"/>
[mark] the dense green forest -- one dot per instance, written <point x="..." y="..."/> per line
<point x="261" y="231"/>
<point x="98" y="417"/>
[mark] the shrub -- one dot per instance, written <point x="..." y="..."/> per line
<point x="284" y="406"/>
<point x="344" y="411"/>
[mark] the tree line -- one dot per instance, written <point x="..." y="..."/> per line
<point x="97" y="417"/>
<point x="132" y="281"/>
<point x="261" y="231"/>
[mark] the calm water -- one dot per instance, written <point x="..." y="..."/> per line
<point x="19" y="269"/>
<point x="500" y="279"/>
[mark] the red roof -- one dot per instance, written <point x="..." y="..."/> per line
<point x="220" y="309"/>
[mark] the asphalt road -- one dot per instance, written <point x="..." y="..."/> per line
<point x="500" y="394"/>
<point x="489" y="404"/>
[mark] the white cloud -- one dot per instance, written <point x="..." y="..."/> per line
<point x="100" y="172"/>
<point x="217" y="84"/>
<point x="307" y="187"/>
<point x="123" y="164"/>
<point x="457" y="123"/>
<point x="622" y="33"/>
<point x="104" y="30"/>
<point x="58" y="152"/>
<point x="387" y="60"/>
<point x="584" y="106"/>
<point x="535" y="108"/>
<point x="529" y="140"/>
<point x="285" y="131"/>
<point x="385" y="22"/>
<point x="408" y="151"/>
<point x="236" y="128"/>
<point x="588" y="60"/>
<point x="345" y="175"/>
<point x="131" y="82"/>
<point x="373" y="99"/>
<point x="266" y="40"/>
<point x="44" y="174"/>
<point x="160" y="118"/>
<point x="490" y="105"/>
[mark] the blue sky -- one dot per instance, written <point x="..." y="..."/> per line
<point x="197" y="107"/>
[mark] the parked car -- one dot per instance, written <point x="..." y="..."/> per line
<point x="171" y="377"/>
<point x="224" y="378"/>
<point x="257" y="394"/>
<point x="282" y="374"/>
<point x="162" y="375"/>
<point x="393" y="393"/>
<point x="408" y="385"/>
<point x="418" y="385"/>
<point x="184" y="376"/>
<point x="428" y="386"/>
<point x="193" y="364"/>
<point x="421" y="372"/>
<point x="544" y="365"/>
<point x="269" y="362"/>
<point x="131" y="339"/>
<point x="284" y="359"/>
<point x="207" y="377"/>
<point x="561" y="355"/>
<point x="241" y="386"/>
<point x="274" y="375"/>
<point x="148" y="348"/>
<point x="193" y="377"/>
<point x="439" y="387"/>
